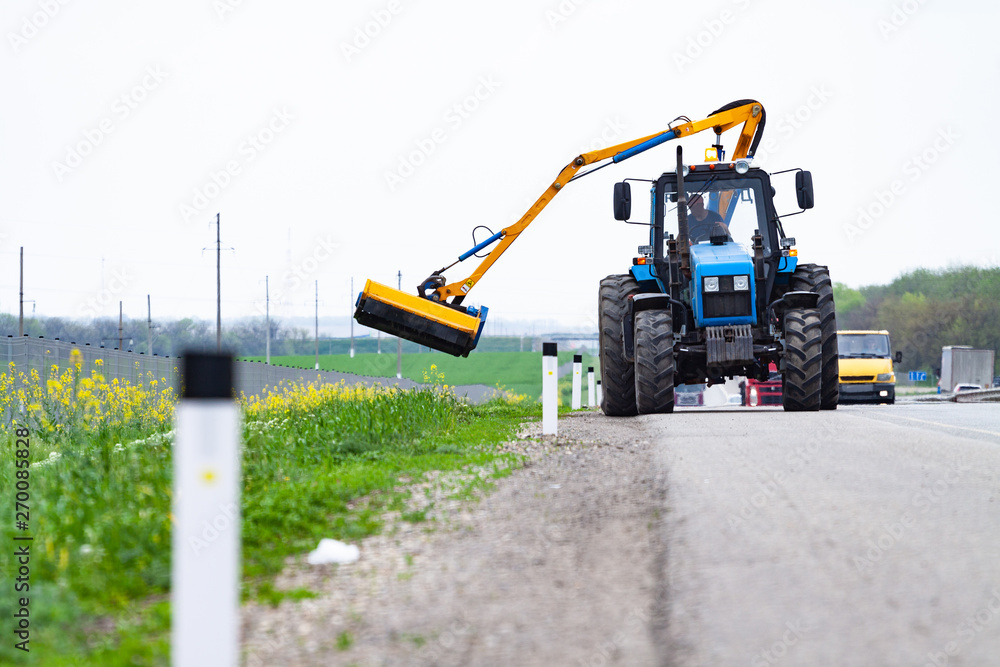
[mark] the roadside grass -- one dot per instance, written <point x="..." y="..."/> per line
<point x="518" y="372"/>
<point x="100" y="504"/>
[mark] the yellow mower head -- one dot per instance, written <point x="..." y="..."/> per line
<point x="437" y="325"/>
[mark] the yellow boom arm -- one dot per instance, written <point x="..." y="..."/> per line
<point x="748" y="112"/>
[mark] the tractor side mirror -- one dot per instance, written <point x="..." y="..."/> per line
<point x="804" y="189"/>
<point x="898" y="358"/>
<point x="623" y="201"/>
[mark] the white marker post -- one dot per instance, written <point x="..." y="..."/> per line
<point x="599" y="392"/>
<point x="205" y="574"/>
<point x="590" y="387"/>
<point x="577" y="369"/>
<point x="550" y="381"/>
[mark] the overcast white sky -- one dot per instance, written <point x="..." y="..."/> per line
<point x="126" y="126"/>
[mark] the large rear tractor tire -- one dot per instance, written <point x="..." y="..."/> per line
<point x="654" y="362"/>
<point x="815" y="278"/>
<point x="617" y="374"/>
<point x="803" y="378"/>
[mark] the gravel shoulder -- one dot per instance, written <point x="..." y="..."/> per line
<point x="562" y="563"/>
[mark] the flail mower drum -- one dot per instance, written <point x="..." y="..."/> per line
<point x="440" y="326"/>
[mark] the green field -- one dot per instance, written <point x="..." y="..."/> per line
<point x="520" y="372"/>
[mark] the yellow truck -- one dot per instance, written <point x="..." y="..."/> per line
<point x="866" y="374"/>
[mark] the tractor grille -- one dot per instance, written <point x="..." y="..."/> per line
<point x="857" y="378"/>
<point x="727" y="302"/>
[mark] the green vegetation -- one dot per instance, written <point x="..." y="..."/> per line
<point x="100" y="509"/>
<point x="517" y="372"/>
<point x="344" y="641"/>
<point x="926" y="310"/>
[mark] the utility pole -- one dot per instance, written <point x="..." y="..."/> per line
<point x="267" y="319"/>
<point x="218" y="283"/>
<point x="317" y="325"/>
<point x="352" y="318"/>
<point x="399" y="341"/>
<point x="20" y="319"/>
<point x="149" y="327"/>
<point x="119" y="326"/>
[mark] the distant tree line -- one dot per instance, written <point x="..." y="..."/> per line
<point x="925" y="310"/>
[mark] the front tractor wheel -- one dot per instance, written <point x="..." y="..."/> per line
<point x="815" y="278"/>
<point x="803" y="379"/>
<point x="654" y="362"/>
<point x="617" y="374"/>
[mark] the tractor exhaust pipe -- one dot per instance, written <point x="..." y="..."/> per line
<point x="682" y="215"/>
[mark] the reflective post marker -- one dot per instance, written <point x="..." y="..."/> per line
<point x="577" y="369"/>
<point x="590" y="387"/>
<point x="550" y="380"/>
<point x="205" y="573"/>
<point x="599" y="392"/>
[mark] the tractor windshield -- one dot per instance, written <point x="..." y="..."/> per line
<point x="734" y="207"/>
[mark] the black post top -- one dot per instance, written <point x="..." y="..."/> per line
<point x="207" y="375"/>
<point x="549" y="350"/>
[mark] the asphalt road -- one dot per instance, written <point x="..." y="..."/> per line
<point x="864" y="536"/>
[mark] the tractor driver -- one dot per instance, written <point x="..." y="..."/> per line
<point x="702" y="222"/>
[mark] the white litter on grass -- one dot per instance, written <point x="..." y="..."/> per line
<point x="53" y="457"/>
<point x="333" y="551"/>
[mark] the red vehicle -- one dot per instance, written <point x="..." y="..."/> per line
<point x="754" y="393"/>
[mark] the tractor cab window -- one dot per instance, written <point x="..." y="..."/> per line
<point x="734" y="207"/>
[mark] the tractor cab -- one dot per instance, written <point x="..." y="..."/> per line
<point x="725" y="210"/>
<point x="720" y="202"/>
<point x="735" y="245"/>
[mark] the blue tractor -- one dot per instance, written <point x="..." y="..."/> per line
<point x="717" y="293"/>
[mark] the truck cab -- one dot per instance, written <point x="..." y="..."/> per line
<point x="866" y="373"/>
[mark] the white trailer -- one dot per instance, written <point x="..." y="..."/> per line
<point x="960" y="364"/>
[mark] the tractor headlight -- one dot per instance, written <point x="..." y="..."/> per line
<point x="741" y="283"/>
<point x="885" y="377"/>
<point x="712" y="284"/>
<point x="742" y="166"/>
